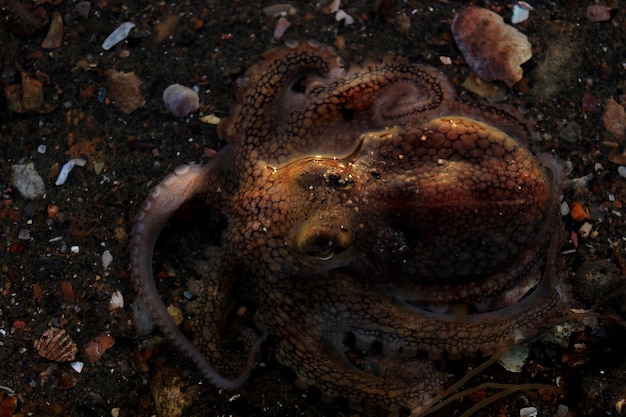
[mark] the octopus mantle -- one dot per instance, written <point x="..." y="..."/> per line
<point x="360" y="206"/>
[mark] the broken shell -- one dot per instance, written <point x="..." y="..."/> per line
<point x="118" y="35"/>
<point x="492" y="48"/>
<point x="55" y="33"/>
<point x="56" y="345"/>
<point x="181" y="100"/>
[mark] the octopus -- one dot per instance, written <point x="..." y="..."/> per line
<point x="365" y="210"/>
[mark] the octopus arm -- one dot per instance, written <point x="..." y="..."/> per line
<point x="386" y="386"/>
<point x="186" y="183"/>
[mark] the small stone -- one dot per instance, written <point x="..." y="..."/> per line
<point x="614" y="119"/>
<point x="55" y="33"/>
<point x="124" y="90"/>
<point x="107" y="258"/>
<point x="28" y="181"/>
<point x="528" y="412"/>
<point x="578" y="212"/>
<point x="598" y="13"/>
<point x="117" y="301"/>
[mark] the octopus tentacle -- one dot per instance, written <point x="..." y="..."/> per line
<point x="183" y="185"/>
<point x="318" y="360"/>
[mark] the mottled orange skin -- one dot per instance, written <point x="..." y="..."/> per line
<point x="356" y="201"/>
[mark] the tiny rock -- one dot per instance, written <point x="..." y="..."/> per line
<point x="28" y="181"/>
<point x="614" y="119"/>
<point x="598" y="13"/>
<point x="492" y="48"/>
<point x="180" y="100"/>
<point x="124" y="90"/>
<point x="55" y="33"/>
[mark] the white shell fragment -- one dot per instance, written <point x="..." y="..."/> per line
<point x="107" y="258"/>
<point x="27" y="181"/>
<point x="520" y="14"/>
<point x="117" y="301"/>
<point x="67" y="168"/>
<point x="77" y="366"/>
<point x="181" y="100"/>
<point x="342" y="15"/>
<point x="528" y="412"/>
<point x="281" y="27"/>
<point x="118" y="35"/>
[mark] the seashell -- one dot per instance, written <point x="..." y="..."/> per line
<point x="181" y="100"/>
<point x="56" y="345"/>
<point x="493" y="49"/>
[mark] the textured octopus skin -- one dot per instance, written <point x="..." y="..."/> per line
<point x="361" y="204"/>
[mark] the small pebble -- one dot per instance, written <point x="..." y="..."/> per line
<point x="41" y="149"/>
<point x="345" y="17"/>
<point x="55" y="33"/>
<point x="621" y="170"/>
<point x="27" y="181"/>
<point x="107" y="258"/>
<point x="180" y="100"/>
<point x="589" y="104"/>
<point x="281" y="27"/>
<point x="528" y="412"/>
<point x="118" y="35"/>
<point x="598" y="13"/>
<point x="520" y="14"/>
<point x="77" y="366"/>
<point x="117" y="301"/>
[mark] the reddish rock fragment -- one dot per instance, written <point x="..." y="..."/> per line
<point x="492" y="48"/>
<point x="124" y="90"/>
<point x="598" y="13"/>
<point x="614" y="119"/>
<point x="589" y="104"/>
<point x="96" y="347"/>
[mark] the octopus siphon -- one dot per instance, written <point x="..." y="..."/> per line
<point x="366" y="209"/>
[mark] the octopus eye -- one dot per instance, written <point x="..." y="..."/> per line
<point x="324" y="242"/>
